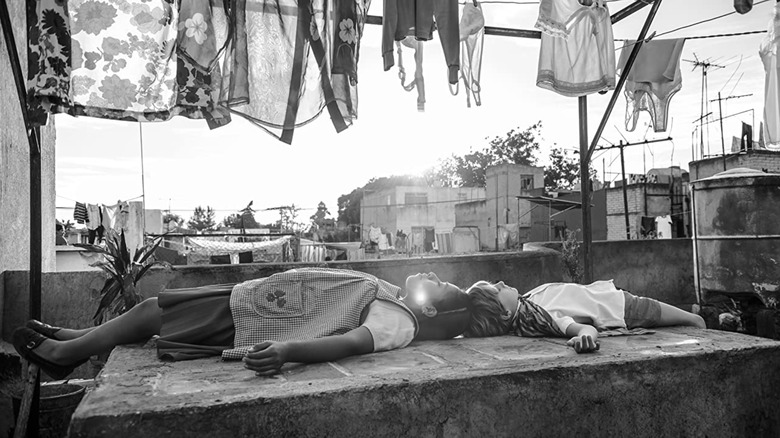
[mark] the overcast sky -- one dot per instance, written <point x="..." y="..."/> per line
<point x="185" y="164"/>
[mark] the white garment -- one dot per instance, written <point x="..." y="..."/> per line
<point x="577" y="55"/>
<point x="768" y="53"/>
<point x="391" y="326"/>
<point x="93" y="216"/>
<point x="374" y="233"/>
<point x="600" y="304"/>
<point x="663" y="227"/>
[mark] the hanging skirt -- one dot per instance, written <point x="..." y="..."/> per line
<point x="196" y="322"/>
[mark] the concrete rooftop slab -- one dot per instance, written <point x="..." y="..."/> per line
<point x="677" y="382"/>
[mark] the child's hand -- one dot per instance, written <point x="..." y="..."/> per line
<point x="266" y="358"/>
<point x="584" y="344"/>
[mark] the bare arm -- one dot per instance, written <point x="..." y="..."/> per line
<point x="267" y="358"/>
<point x="584" y="337"/>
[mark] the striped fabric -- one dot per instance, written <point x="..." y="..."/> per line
<point x="80" y="213"/>
<point x="532" y="320"/>
<point x="303" y="304"/>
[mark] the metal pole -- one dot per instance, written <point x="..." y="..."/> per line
<point x="625" y="191"/>
<point x="722" y="140"/>
<point x="33" y="140"/>
<point x="623" y="77"/>
<point x="587" y="234"/>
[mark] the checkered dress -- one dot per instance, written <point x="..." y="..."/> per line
<point x="302" y="304"/>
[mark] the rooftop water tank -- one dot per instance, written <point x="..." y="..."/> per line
<point x="736" y="229"/>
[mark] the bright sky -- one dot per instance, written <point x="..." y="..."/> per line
<point x="185" y="164"/>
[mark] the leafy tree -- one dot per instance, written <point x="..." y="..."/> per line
<point x="563" y="173"/>
<point x="202" y="219"/>
<point x="172" y="221"/>
<point x="516" y="147"/>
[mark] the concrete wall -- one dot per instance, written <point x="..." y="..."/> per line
<point x="658" y="268"/>
<point x="502" y="185"/>
<point x="388" y="209"/>
<point x="753" y="159"/>
<point x="644" y="199"/>
<point x="70" y="298"/>
<point x="15" y="167"/>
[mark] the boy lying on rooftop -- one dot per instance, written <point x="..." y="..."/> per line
<point x="567" y="310"/>
<point x="300" y="315"/>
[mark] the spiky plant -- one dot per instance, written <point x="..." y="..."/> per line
<point x="119" y="293"/>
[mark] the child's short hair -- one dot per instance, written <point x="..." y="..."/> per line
<point x="487" y="313"/>
<point x="445" y="318"/>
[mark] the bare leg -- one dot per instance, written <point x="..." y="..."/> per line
<point x="138" y="324"/>
<point x="671" y="315"/>
<point x="66" y="334"/>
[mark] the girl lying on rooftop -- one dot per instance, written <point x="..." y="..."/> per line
<point x="300" y="315"/>
<point x="567" y="310"/>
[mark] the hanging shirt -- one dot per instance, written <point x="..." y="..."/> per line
<point x="94" y="217"/>
<point x="663" y="227"/>
<point x="600" y="304"/>
<point x="577" y="54"/>
<point x="768" y="53"/>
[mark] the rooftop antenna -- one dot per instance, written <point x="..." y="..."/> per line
<point x="720" y="118"/>
<point x="705" y="65"/>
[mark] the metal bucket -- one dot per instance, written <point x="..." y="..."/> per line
<point x="736" y="236"/>
<point x="56" y="406"/>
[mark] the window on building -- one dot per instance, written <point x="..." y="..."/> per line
<point x="415" y="198"/>
<point x="526" y="182"/>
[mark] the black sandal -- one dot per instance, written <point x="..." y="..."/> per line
<point x="43" y="328"/>
<point x="26" y="340"/>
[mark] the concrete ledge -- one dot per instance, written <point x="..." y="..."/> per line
<point x="676" y="382"/>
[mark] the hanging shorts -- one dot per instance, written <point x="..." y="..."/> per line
<point x="641" y="311"/>
<point x="196" y="322"/>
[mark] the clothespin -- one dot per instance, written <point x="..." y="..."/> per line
<point x="476" y="4"/>
<point x="652" y="35"/>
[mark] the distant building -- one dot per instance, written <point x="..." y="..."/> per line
<point x="759" y="159"/>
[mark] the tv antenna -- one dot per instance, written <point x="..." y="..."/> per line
<point x="705" y="66"/>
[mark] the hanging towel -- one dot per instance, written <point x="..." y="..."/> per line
<point x="80" y="213"/>
<point x="768" y="53"/>
<point x="577" y="55"/>
<point x="653" y="80"/>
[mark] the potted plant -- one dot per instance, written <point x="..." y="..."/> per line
<point x="120" y="291"/>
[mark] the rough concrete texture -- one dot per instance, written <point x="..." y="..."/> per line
<point x="676" y="382"/>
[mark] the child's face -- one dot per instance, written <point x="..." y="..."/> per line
<point x="507" y="295"/>
<point x="423" y="289"/>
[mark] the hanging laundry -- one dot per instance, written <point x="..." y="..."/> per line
<point x="116" y="60"/>
<point x="94" y="216"/>
<point x="115" y="216"/>
<point x="768" y="53"/>
<point x="283" y="77"/>
<point x="663" y="227"/>
<point x="577" y="55"/>
<point x="80" y="213"/>
<point x="653" y="80"/>
<point x="402" y="18"/>
<point x="419" y="81"/>
<point x="472" y="40"/>
<point x="743" y="6"/>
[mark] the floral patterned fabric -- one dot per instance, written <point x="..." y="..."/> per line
<point x="117" y="59"/>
